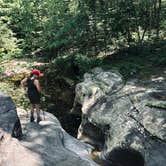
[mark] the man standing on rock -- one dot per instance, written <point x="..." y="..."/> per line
<point x="34" y="92"/>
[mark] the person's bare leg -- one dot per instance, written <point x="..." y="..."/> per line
<point x="37" y="106"/>
<point x="32" y="113"/>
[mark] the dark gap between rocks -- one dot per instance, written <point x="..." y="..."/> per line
<point x="124" y="157"/>
<point x="70" y="122"/>
<point x="95" y="135"/>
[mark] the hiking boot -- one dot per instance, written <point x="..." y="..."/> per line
<point x="32" y="118"/>
<point x="38" y="119"/>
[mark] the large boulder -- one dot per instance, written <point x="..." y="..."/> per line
<point x="44" y="144"/>
<point x="53" y="144"/>
<point x="9" y="121"/>
<point x="12" y="153"/>
<point x="126" y="121"/>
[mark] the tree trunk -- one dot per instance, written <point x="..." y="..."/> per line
<point x="158" y="19"/>
<point x="143" y="35"/>
<point x="95" y="29"/>
<point x="150" y="23"/>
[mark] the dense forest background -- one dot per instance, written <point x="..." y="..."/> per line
<point x="67" y="38"/>
<point x="52" y="28"/>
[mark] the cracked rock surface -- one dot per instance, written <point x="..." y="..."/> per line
<point x="129" y="115"/>
<point x="44" y="144"/>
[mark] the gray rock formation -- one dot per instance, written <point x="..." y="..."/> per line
<point x="126" y="121"/>
<point x="9" y="121"/>
<point x="44" y="144"/>
<point x="53" y="144"/>
<point x="12" y="153"/>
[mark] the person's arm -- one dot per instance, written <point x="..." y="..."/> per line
<point x="24" y="82"/>
<point x="37" y="84"/>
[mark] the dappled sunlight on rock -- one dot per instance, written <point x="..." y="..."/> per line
<point x="130" y="115"/>
<point x="42" y="144"/>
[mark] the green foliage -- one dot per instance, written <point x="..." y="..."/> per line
<point x="17" y="94"/>
<point x="129" y="69"/>
<point x="160" y="62"/>
<point x="78" y="64"/>
<point x="9" y="46"/>
<point x="85" y="63"/>
<point x="8" y="43"/>
<point x="1" y="69"/>
<point x="138" y="60"/>
<point x="85" y="27"/>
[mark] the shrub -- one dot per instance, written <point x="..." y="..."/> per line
<point x="75" y="64"/>
<point x="1" y="69"/>
<point x="129" y="69"/>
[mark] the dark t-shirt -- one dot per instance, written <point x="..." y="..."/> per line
<point x="33" y="93"/>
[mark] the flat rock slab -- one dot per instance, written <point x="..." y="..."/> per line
<point x="44" y="144"/>
<point x="52" y="144"/>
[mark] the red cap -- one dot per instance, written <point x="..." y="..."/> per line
<point x="37" y="72"/>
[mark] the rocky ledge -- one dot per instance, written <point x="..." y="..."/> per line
<point x="126" y="121"/>
<point x="44" y="144"/>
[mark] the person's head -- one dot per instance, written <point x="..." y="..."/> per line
<point x="36" y="73"/>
